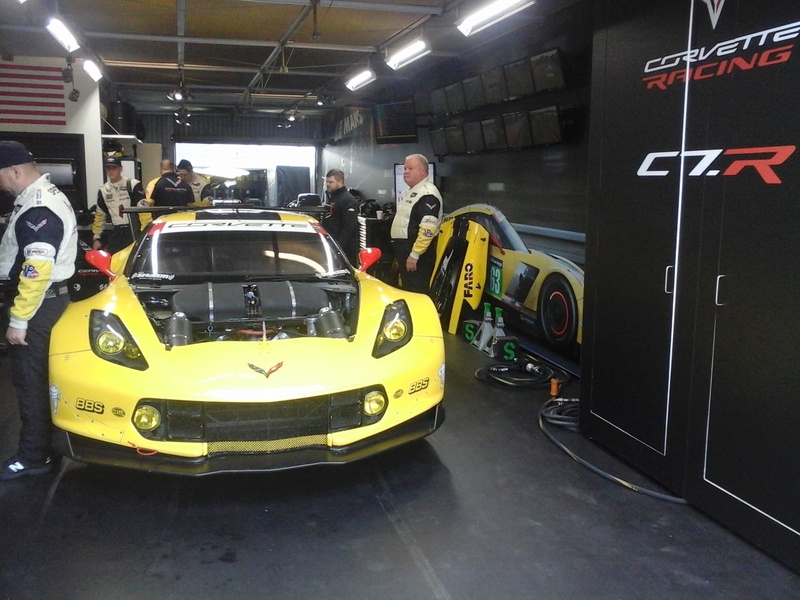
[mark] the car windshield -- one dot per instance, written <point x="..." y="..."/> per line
<point x="498" y="226"/>
<point x="175" y="256"/>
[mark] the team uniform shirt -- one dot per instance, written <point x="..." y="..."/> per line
<point x="418" y="216"/>
<point x="111" y="199"/>
<point x="38" y="248"/>
<point x="171" y="190"/>
<point x="148" y="191"/>
<point x="342" y="222"/>
<point x="198" y="185"/>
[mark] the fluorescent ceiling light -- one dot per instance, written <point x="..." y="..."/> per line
<point x="92" y="69"/>
<point x="356" y="82"/>
<point x="408" y="54"/>
<point x="63" y="35"/>
<point x="491" y="14"/>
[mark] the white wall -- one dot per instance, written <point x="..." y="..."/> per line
<point x="83" y="117"/>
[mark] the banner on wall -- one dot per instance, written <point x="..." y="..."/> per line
<point x="351" y="123"/>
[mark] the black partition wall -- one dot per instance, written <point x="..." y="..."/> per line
<point x="690" y="351"/>
<point x="61" y="155"/>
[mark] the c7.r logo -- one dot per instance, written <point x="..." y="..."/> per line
<point x="761" y="159"/>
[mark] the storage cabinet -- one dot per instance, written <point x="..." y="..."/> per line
<point x="691" y="351"/>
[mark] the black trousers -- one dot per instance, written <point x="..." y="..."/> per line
<point x="119" y="237"/>
<point x="419" y="280"/>
<point x="31" y="379"/>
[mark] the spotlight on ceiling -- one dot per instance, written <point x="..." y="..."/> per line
<point x="408" y="54"/>
<point x="491" y="14"/>
<point x="361" y="79"/>
<point x="63" y="35"/>
<point x="180" y="93"/>
<point x="176" y="95"/>
<point x="92" y="70"/>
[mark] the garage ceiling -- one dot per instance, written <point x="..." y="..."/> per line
<point x="247" y="56"/>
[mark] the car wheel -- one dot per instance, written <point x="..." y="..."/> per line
<point x="558" y="312"/>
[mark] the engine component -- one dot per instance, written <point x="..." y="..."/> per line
<point x="179" y="330"/>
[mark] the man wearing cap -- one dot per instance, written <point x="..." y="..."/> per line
<point x="116" y="193"/>
<point x="37" y="256"/>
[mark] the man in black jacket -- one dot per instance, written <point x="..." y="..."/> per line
<point x="342" y="223"/>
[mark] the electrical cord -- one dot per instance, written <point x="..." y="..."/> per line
<point x="530" y="372"/>
<point x="527" y="372"/>
<point x="564" y="413"/>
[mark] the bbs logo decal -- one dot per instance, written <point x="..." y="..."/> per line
<point x="705" y="162"/>
<point x="91" y="406"/>
<point x="418" y="386"/>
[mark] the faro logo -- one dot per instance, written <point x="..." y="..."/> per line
<point x="469" y="278"/>
<point x="713" y="162"/>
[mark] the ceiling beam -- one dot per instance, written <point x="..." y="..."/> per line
<point x="173" y="39"/>
<point x="213" y="68"/>
<point x="414" y="9"/>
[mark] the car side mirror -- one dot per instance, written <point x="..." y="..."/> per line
<point x="101" y="260"/>
<point x="368" y="257"/>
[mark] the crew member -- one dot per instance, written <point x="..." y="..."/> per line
<point x="116" y="193"/>
<point x="37" y="256"/>
<point x="201" y="186"/>
<point x="171" y="190"/>
<point x="415" y="225"/>
<point x="342" y="222"/>
<point x="166" y="166"/>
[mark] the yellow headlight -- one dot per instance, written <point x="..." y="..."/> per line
<point x="395" y="330"/>
<point x="146" y="418"/>
<point x="374" y="403"/>
<point x="109" y="342"/>
<point x="132" y="351"/>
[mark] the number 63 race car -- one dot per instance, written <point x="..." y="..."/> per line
<point x="479" y="252"/>
<point x="242" y="340"/>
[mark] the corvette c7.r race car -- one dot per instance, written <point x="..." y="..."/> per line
<point x="242" y="340"/>
<point x="479" y="252"/>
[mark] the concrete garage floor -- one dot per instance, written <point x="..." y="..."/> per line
<point x="485" y="508"/>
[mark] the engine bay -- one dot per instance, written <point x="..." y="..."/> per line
<point x="249" y="311"/>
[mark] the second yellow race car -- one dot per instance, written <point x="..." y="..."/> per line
<point x="242" y="340"/>
<point x="481" y="257"/>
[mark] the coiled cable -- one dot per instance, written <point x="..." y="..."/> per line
<point x="564" y="413"/>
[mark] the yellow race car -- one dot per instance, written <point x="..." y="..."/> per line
<point x="242" y="340"/>
<point x="481" y="257"/>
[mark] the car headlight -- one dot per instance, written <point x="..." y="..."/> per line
<point x="395" y="330"/>
<point x="111" y="341"/>
<point x="374" y="403"/>
<point x="146" y="418"/>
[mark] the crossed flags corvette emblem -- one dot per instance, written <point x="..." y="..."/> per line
<point x="268" y="372"/>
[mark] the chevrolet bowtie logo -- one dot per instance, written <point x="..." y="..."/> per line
<point x="268" y="372"/>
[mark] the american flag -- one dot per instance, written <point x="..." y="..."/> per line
<point x="31" y="95"/>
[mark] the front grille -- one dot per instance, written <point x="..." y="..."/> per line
<point x="263" y="447"/>
<point x="258" y="427"/>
